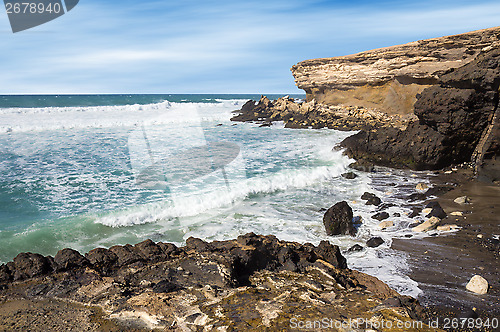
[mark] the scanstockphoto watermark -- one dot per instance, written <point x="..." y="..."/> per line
<point x="26" y="14"/>
<point x="355" y="323"/>
<point x="362" y="323"/>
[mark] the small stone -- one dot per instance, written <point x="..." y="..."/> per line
<point x="426" y="210"/>
<point x="427" y="225"/>
<point x="380" y="216"/>
<point x="386" y="224"/>
<point x="457" y="213"/>
<point x="478" y="285"/>
<point x="480" y="236"/>
<point x="355" y="248"/>
<point x="422" y="187"/>
<point x="374" y="242"/>
<point x="448" y="227"/>
<point x="349" y="175"/>
<point x="462" y="200"/>
<point x="448" y="172"/>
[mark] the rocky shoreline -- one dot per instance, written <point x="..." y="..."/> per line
<point x="254" y="282"/>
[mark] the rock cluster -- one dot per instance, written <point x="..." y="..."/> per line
<point x="315" y="115"/>
<point x="251" y="283"/>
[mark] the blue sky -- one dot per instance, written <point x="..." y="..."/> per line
<point x="213" y="46"/>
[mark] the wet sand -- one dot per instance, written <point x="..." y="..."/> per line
<point x="443" y="265"/>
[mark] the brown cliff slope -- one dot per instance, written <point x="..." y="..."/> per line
<point x="389" y="79"/>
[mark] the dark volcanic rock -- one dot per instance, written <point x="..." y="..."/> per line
<point x="349" y="175"/>
<point x="29" y="265"/>
<point x="338" y="220"/>
<point x="150" y="251"/>
<point x="380" y="216"/>
<point x="371" y="199"/>
<point x="331" y="254"/>
<point x="69" y="258"/>
<point x="437" y="210"/>
<point x="4" y="274"/>
<point x="126" y="254"/>
<point x="102" y="259"/>
<point x="355" y="248"/>
<point x="374" y="242"/>
<point x="453" y="117"/>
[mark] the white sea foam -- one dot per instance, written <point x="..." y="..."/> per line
<point x="55" y="118"/>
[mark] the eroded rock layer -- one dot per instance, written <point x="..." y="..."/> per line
<point x="390" y="78"/>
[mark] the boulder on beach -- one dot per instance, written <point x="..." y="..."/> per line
<point x="349" y="175"/>
<point x="435" y="210"/>
<point x="422" y="187"/>
<point x="374" y="242"/>
<point x="380" y="216"/>
<point x="355" y="248"/>
<point x="462" y="200"/>
<point x="427" y="225"/>
<point x="447" y="228"/>
<point x="338" y="220"/>
<point x="478" y="285"/>
<point x="371" y="199"/>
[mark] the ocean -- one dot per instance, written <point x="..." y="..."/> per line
<point x="89" y="171"/>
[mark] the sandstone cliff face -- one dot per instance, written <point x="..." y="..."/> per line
<point x="458" y="122"/>
<point x="390" y="78"/>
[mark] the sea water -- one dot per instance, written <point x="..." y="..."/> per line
<point x="71" y="170"/>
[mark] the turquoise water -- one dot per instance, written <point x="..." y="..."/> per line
<point x="71" y="170"/>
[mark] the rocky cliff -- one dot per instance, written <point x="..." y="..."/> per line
<point x="390" y="78"/>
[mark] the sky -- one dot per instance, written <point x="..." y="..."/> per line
<point x="213" y="46"/>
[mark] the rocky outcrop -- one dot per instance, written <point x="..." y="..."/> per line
<point x="390" y="78"/>
<point x="250" y="283"/>
<point x="315" y="115"/>
<point x="454" y="117"/>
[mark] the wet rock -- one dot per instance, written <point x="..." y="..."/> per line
<point x="436" y="211"/>
<point x="417" y="197"/>
<point x="462" y="200"/>
<point x="415" y="211"/>
<point x="386" y="224"/>
<point x="427" y="225"/>
<point x="380" y="216"/>
<point x="349" y="175"/>
<point x="29" y="265"/>
<point x="374" y="242"/>
<point x="331" y="254"/>
<point x="355" y="248"/>
<point x="102" y="259"/>
<point x="68" y="259"/>
<point x="421" y="187"/>
<point x="338" y="220"/>
<point x="447" y="228"/>
<point x="396" y="214"/>
<point x="478" y="285"/>
<point x="371" y="199"/>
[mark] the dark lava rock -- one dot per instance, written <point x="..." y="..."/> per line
<point x="338" y="220"/>
<point x="266" y="124"/>
<point x="166" y="286"/>
<point x="126" y="254"/>
<point x="415" y="211"/>
<point x="371" y="199"/>
<point x="150" y="251"/>
<point x="355" y="248"/>
<point x="331" y="254"/>
<point x="452" y="116"/>
<point x="68" y="258"/>
<point x="374" y="242"/>
<point x="349" y="175"/>
<point x="4" y="274"/>
<point x="380" y="216"/>
<point x="102" y="259"/>
<point x="437" y="211"/>
<point x="29" y="265"/>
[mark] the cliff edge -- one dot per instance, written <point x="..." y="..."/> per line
<point x="390" y="78"/>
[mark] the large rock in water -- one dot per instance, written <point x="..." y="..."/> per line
<point x="338" y="220"/>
